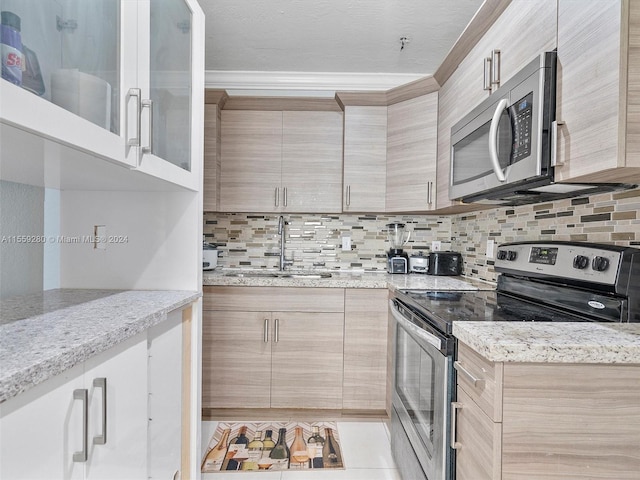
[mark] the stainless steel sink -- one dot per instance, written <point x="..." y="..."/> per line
<point x="311" y="275"/>
<point x="304" y="275"/>
<point x="251" y="274"/>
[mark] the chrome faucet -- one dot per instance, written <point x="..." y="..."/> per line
<point x="281" y="231"/>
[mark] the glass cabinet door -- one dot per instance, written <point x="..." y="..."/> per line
<point x="66" y="52"/>
<point x="170" y="81"/>
<point x="171" y="78"/>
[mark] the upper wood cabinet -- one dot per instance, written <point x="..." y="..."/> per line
<point x="251" y="161"/>
<point x="211" y="168"/>
<point x="275" y="161"/>
<point x="365" y="158"/>
<point x="311" y="162"/>
<point x="598" y="91"/>
<point x="523" y="31"/>
<point x="412" y="154"/>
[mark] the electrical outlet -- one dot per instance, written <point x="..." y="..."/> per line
<point x="346" y="243"/>
<point x="100" y="237"/>
<point x="435" y="245"/>
<point x="490" y="245"/>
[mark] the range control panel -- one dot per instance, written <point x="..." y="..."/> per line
<point x="586" y="262"/>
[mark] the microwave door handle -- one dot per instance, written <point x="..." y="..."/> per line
<point x="493" y="139"/>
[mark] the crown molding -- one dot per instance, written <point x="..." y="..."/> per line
<point x="310" y="83"/>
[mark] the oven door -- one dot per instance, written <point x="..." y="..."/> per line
<point x="422" y="390"/>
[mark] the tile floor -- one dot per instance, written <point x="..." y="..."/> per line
<point x="370" y="461"/>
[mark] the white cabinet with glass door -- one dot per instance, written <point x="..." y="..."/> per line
<point x="95" y="71"/>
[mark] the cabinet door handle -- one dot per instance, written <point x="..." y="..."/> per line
<point x="495" y="67"/>
<point x="149" y="104"/>
<point x="487" y="74"/>
<point x="555" y="125"/>
<point x="276" y="331"/>
<point x="265" y="331"/>
<point x="137" y="94"/>
<point x="348" y="195"/>
<point x="429" y="193"/>
<point x="101" y="383"/>
<point x="476" y="382"/>
<point x="285" y="196"/>
<point x="277" y="197"/>
<point x="82" y="394"/>
<point x="455" y="406"/>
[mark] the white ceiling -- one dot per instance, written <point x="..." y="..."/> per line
<point x="322" y="44"/>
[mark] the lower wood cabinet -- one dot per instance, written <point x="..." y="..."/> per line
<point x="280" y="347"/>
<point x="289" y="355"/>
<point x="553" y="421"/>
<point x="366" y="321"/>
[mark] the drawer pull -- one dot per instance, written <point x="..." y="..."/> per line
<point x="101" y="383"/>
<point x="82" y="394"/>
<point x="476" y="382"/>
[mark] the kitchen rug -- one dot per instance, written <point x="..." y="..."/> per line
<point x="268" y="446"/>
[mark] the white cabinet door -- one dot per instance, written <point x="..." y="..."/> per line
<point x="171" y="81"/>
<point x="165" y="397"/>
<point x="46" y="432"/>
<point x="41" y="429"/>
<point x="117" y="433"/>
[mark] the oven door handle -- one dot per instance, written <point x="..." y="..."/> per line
<point x="493" y="139"/>
<point x="413" y="329"/>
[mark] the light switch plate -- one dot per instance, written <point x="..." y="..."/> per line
<point x="436" y="245"/>
<point x="346" y="243"/>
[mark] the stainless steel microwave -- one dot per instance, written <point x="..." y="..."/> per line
<point x="503" y="148"/>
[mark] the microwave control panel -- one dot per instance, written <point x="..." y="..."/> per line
<point x="522" y="119"/>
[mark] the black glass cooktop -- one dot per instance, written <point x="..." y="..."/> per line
<point x="443" y="308"/>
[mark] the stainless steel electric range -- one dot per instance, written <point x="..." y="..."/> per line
<point x="538" y="282"/>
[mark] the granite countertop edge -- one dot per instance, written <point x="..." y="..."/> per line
<point x="348" y="279"/>
<point x="542" y="342"/>
<point x="26" y="364"/>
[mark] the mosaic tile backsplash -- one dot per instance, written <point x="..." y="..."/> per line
<point x="314" y="241"/>
<point x="610" y="218"/>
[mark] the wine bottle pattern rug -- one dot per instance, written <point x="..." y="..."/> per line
<point x="268" y="446"/>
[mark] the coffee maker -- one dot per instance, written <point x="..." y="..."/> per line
<point x="397" y="260"/>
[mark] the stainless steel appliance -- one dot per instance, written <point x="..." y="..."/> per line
<point x="397" y="259"/>
<point x="503" y="151"/>
<point x="538" y="281"/>
<point x="419" y="263"/>
<point x="445" y="263"/>
<point x="209" y="256"/>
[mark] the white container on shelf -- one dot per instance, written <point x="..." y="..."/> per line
<point x="83" y="94"/>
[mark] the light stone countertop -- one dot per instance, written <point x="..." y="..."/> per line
<point x="44" y="334"/>
<point x="549" y="342"/>
<point x="345" y="279"/>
